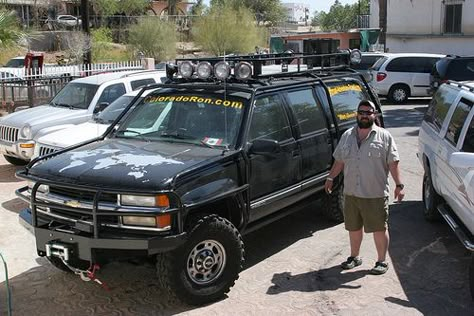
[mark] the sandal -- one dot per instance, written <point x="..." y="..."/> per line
<point x="351" y="263"/>
<point x="380" y="268"/>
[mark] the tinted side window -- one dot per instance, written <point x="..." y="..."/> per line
<point x="468" y="145"/>
<point x="457" y="121"/>
<point x="308" y="113"/>
<point x="401" y="64"/>
<point x="412" y="64"/>
<point x="141" y="83"/>
<point x="112" y="92"/>
<point x="345" y="97"/>
<point x="439" y="106"/>
<point x="269" y="120"/>
<point x="461" y="69"/>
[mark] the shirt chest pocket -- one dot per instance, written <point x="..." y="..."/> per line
<point x="346" y="152"/>
<point x="376" y="150"/>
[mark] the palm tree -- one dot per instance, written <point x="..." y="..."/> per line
<point x="10" y="32"/>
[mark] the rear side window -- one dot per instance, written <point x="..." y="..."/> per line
<point x="439" y="106"/>
<point x="345" y="97"/>
<point x="468" y="145"/>
<point x="412" y="64"/>
<point x="461" y="69"/>
<point x="141" y="83"/>
<point x="112" y="92"/>
<point x="457" y="121"/>
<point x="307" y="111"/>
<point x="379" y="63"/>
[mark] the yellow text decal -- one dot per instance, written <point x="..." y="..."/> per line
<point x="344" y="88"/>
<point x="194" y="99"/>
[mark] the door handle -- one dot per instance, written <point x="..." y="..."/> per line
<point x="295" y="153"/>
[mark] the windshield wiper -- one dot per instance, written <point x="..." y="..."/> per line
<point x="64" y="105"/>
<point x="176" y="134"/>
<point x="138" y="134"/>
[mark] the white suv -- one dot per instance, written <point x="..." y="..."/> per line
<point x="74" y="104"/>
<point x="399" y="76"/>
<point x="446" y="151"/>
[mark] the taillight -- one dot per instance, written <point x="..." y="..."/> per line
<point x="381" y="76"/>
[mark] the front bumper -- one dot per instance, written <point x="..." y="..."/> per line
<point x="86" y="248"/>
<point x="22" y="149"/>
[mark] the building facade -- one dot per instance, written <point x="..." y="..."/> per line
<point x="435" y="26"/>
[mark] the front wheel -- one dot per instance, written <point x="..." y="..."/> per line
<point x="431" y="198"/>
<point x="207" y="265"/>
<point x="15" y="161"/>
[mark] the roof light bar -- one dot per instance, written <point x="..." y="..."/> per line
<point x="243" y="70"/>
<point x="186" y="69"/>
<point x="355" y="56"/>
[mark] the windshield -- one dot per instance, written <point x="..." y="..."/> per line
<point x="15" y="63"/>
<point x="75" y="95"/>
<point x="110" y="113"/>
<point x="206" y="120"/>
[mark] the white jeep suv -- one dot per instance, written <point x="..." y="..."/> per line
<point x="446" y="151"/>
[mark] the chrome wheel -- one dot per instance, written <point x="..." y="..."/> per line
<point x="206" y="262"/>
<point x="399" y="95"/>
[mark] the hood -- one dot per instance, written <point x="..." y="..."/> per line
<point x="73" y="135"/>
<point x="43" y="116"/>
<point x="124" y="164"/>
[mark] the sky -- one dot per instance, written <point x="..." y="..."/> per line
<point x="314" y="5"/>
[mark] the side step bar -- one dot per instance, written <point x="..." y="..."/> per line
<point x="458" y="229"/>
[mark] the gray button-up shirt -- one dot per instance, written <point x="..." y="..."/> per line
<point x="366" y="167"/>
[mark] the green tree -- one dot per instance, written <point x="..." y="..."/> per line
<point x="316" y="19"/>
<point x="198" y="8"/>
<point x="10" y="31"/>
<point x="342" y="17"/>
<point x="133" y="7"/>
<point x="154" y="38"/>
<point x="228" y="29"/>
<point x="105" y="7"/>
<point x="266" y="11"/>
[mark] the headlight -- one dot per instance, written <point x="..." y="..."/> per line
<point x="243" y="71"/>
<point x="160" y="200"/>
<point x="222" y="70"/>
<point x="160" y="221"/>
<point x="43" y="188"/>
<point x="186" y="69"/>
<point x="204" y="70"/>
<point x="356" y="56"/>
<point x="25" y="132"/>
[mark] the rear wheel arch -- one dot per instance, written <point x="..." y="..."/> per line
<point x="399" y="92"/>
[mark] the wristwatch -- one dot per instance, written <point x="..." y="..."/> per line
<point x="401" y="186"/>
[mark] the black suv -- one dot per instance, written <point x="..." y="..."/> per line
<point x="225" y="146"/>
<point x="452" y="68"/>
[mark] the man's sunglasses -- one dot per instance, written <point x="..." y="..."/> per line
<point x="362" y="112"/>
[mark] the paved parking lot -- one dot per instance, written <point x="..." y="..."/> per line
<point x="292" y="265"/>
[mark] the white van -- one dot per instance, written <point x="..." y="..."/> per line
<point x="404" y="75"/>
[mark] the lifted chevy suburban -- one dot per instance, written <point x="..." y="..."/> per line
<point x="221" y="149"/>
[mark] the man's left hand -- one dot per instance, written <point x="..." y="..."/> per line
<point x="399" y="194"/>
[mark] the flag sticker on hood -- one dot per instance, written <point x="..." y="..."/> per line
<point x="212" y="141"/>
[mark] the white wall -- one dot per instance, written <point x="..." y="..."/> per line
<point x="454" y="46"/>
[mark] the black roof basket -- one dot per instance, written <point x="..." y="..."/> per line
<point x="289" y="61"/>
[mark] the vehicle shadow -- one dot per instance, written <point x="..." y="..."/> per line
<point x="14" y="205"/>
<point x="134" y="288"/>
<point x="401" y="117"/>
<point x="430" y="262"/>
<point x="7" y="173"/>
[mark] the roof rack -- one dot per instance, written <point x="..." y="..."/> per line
<point x="462" y="85"/>
<point x="257" y="66"/>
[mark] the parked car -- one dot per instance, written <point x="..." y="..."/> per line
<point x="452" y="68"/>
<point x="194" y="166"/>
<point x="93" y="128"/>
<point x="16" y="62"/>
<point x="367" y="61"/>
<point x="74" y="104"/>
<point x="404" y="75"/>
<point x="446" y="151"/>
<point x="65" y="20"/>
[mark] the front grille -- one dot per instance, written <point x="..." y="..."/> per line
<point x="80" y="195"/>
<point x="44" y="150"/>
<point x="8" y="134"/>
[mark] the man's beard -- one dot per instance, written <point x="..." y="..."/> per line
<point x="366" y="123"/>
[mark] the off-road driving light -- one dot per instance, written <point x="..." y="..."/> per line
<point x="356" y="56"/>
<point x="204" y="70"/>
<point x="222" y="70"/>
<point x="160" y="200"/>
<point x="243" y="71"/>
<point x="43" y="188"/>
<point x="186" y="69"/>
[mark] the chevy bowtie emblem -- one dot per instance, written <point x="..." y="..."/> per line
<point x="73" y="203"/>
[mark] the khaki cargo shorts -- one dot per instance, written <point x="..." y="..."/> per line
<point x="372" y="214"/>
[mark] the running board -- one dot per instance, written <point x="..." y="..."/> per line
<point x="459" y="230"/>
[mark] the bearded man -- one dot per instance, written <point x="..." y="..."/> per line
<point x="366" y="154"/>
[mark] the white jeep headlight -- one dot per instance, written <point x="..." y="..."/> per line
<point x="43" y="188"/>
<point x="25" y="132"/>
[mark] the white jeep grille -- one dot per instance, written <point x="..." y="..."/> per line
<point x="8" y="134"/>
<point x="44" y="150"/>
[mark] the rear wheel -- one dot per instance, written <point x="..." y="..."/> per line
<point x="398" y="93"/>
<point x="207" y="265"/>
<point x="334" y="202"/>
<point x="431" y="198"/>
<point x="15" y="161"/>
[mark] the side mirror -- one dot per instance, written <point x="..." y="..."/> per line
<point x="462" y="160"/>
<point x="264" y="147"/>
<point x="101" y="107"/>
